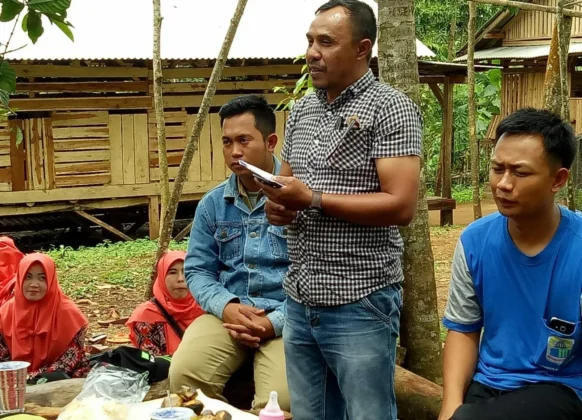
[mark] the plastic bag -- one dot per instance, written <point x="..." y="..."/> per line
<point x="115" y="383"/>
<point x="107" y="394"/>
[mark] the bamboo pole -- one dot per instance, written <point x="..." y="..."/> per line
<point x="159" y="107"/>
<point x="192" y="145"/>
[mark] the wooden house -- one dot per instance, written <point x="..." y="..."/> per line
<point x="520" y="44"/>
<point x="86" y="108"/>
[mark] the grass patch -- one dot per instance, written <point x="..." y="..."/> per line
<point x="125" y="264"/>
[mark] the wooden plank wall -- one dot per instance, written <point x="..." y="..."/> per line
<point x="129" y="149"/>
<point x="103" y="88"/>
<point x="520" y="90"/>
<point x="530" y="25"/>
<point x="98" y="148"/>
<point x="81" y="148"/>
<point x="5" y="169"/>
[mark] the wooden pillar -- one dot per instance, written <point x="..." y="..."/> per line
<point x="154" y="216"/>
<point x="447" y="157"/>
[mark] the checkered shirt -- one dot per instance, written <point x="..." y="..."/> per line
<point x="334" y="262"/>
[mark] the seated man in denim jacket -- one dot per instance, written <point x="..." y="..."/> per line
<point x="235" y="266"/>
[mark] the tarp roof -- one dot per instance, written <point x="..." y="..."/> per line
<point x="191" y="29"/>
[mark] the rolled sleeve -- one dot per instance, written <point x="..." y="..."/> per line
<point x="399" y="130"/>
<point x="277" y="318"/>
<point x="463" y="312"/>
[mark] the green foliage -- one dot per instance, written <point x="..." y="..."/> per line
<point x="125" y="264"/>
<point x="10" y="9"/>
<point x="303" y="87"/>
<point x="54" y="10"/>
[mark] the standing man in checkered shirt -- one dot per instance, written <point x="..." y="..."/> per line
<point x="351" y="169"/>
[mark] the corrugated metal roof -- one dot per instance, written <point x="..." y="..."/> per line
<point x="123" y="29"/>
<point x="530" y="51"/>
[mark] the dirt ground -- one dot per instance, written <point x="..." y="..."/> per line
<point x="109" y="302"/>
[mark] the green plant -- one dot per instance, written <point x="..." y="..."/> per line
<point x="303" y="86"/>
<point x="32" y="23"/>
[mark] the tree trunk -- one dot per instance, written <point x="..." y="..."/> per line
<point x="552" y="82"/>
<point x="420" y="321"/>
<point x="556" y="88"/>
<point x="159" y="106"/>
<point x="564" y="24"/>
<point x="450" y="58"/>
<point x="192" y="145"/>
<point x="473" y="144"/>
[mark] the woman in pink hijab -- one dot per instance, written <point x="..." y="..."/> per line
<point x="10" y="257"/>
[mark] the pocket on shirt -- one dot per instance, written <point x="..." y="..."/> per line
<point x="556" y="350"/>
<point x="278" y="241"/>
<point x="229" y="240"/>
<point x="348" y="149"/>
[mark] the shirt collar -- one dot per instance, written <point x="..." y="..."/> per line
<point x="234" y="186"/>
<point x="351" y="91"/>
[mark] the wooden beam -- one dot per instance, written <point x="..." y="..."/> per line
<point x="154" y="216"/>
<point x="83" y="87"/>
<point x="245" y="85"/>
<point x="39" y="70"/>
<point x="99" y="192"/>
<point x="53" y="208"/>
<point x="275" y="69"/>
<point x="104" y="225"/>
<point x="494" y="35"/>
<point x="457" y="79"/>
<point x="440" y="203"/>
<point x="448" y="121"/>
<point x="438" y="93"/>
<point x="528" y="6"/>
<point x="98" y="103"/>
<point x="184" y="232"/>
<point x="218" y="100"/>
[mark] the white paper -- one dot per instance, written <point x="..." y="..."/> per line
<point x="144" y="410"/>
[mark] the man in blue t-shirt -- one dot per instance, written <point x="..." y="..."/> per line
<point x="513" y="350"/>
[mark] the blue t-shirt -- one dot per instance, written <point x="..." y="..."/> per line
<point x="513" y="297"/>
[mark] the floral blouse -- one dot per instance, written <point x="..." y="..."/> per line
<point x="150" y="337"/>
<point x="73" y="361"/>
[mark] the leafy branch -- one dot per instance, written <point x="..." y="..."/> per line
<point x="32" y="23"/>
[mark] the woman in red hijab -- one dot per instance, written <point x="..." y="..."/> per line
<point x="41" y="325"/>
<point x="10" y="256"/>
<point x="157" y="326"/>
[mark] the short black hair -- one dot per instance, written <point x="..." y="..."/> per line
<point x="257" y="105"/>
<point x="362" y="17"/>
<point x="557" y="135"/>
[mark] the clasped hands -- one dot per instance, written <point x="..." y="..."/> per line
<point x="247" y="324"/>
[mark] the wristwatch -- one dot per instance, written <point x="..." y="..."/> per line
<point x="314" y="209"/>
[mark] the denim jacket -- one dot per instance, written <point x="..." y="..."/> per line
<point x="234" y="254"/>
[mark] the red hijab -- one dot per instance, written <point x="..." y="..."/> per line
<point x="40" y="332"/>
<point x="10" y="256"/>
<point x="184" y="311"/>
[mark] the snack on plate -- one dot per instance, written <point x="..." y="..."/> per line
<point x="186" y="398"/>
<point x="93" y="408"/>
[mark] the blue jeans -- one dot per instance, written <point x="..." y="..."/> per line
<point x="341" y="359"/>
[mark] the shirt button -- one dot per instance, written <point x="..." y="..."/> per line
<point x="328" y="113"/>
<point x="252" y="266"/>
<point x="253" y="234"/>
